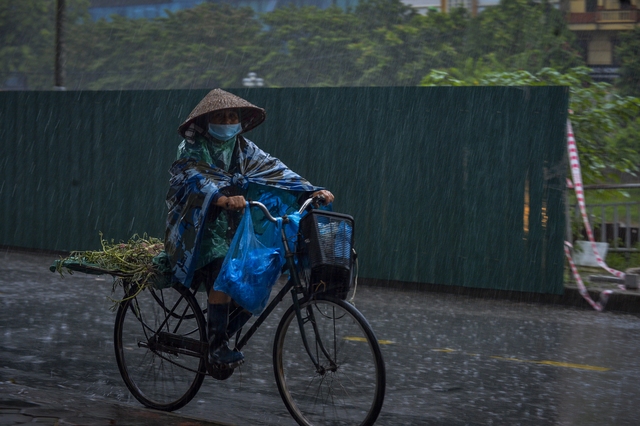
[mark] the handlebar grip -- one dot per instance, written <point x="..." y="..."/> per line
<point x="263" y="208"/>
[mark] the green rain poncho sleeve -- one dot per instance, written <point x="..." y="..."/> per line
<point x="194" y="189"/>
<point x="214" y="242"/>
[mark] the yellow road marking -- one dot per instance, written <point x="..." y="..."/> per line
<point x="557" y="364"/>
<point x="362" y="339"/>
<point x="569" y="365"/>
<point x="543" y="362"/>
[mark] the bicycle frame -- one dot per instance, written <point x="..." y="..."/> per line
<point x="161" y="347"/>
<point x="294" y="286"/>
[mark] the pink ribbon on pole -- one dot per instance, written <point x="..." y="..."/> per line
<point x="604" y="296"/>
<point x="576" y="174"/>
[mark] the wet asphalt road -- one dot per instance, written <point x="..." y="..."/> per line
<point x="451" y="360"/>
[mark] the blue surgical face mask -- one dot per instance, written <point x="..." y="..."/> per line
<point x="224" y="132"/>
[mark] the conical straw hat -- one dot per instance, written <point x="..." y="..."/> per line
<point x="217" y="99"/>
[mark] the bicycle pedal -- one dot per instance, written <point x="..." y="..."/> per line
<point x="232" y="365"/>
<point x="220" y="371"/>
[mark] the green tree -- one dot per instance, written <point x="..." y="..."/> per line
<point x="27" y="30"/>
<point x="381" y="42"/>
<point x="209" y="45"/>
<point x="383" y="13"/>
<point x="405" y="46"/>
<point x="308" y="46"/>
<point x="377" y="44"/>
<point x="629" y="53"/>
<point x="522" y="34"/>
<point x="606" y="125"/>
<point x="516" y="34"/>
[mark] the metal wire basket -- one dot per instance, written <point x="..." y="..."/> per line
<point x="327" y="240"/>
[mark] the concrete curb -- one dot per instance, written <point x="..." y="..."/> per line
<point x="627" y="301"/>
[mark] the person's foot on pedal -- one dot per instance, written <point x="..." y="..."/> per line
<point x="225" y="357"/>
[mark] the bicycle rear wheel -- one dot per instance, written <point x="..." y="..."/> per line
<point x="159" y="338"/>
<point x="348" y="387"/>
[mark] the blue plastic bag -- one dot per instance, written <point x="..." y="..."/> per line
<point x="250" y="269"/>
<point x="272" y="237"/>
<point x="338" y="235"/>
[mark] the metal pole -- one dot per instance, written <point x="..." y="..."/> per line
<point x="59" y="70"/>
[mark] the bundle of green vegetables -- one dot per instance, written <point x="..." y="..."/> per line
<point x="139" y="261"/>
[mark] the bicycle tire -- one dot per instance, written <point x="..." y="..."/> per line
<point x="350" y="393"/>
<point x="158" y="349"/>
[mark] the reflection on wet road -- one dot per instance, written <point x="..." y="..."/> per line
<point x="451" y="360"/>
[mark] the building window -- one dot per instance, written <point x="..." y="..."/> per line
<point x="600" y="50"/>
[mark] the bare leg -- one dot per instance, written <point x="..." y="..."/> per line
<point x="218" y="297"/>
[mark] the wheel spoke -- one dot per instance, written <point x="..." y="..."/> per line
<point x="349" y="388"/>
<point x="163" y="370"/>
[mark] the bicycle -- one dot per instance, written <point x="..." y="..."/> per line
<point x="327" y="361"/>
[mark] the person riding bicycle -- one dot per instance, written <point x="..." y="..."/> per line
<point x="216" y="171"/>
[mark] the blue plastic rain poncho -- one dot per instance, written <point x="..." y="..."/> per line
<point x="198" y="179"/>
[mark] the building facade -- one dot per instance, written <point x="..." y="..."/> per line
<point x="598" y="24"/>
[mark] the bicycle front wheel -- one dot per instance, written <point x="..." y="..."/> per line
<point x="159" y="338"/>
<point x="347" y="385"/>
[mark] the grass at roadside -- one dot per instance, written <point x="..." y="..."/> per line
<point x="618" y="261"/>
<point x="585" y="273"/>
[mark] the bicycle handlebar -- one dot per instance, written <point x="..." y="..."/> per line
<point x="311" y="200"/>
<point x="264" y="210"/>
<point x="273" y="219"/>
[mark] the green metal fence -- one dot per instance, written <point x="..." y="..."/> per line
<point x="455" y="186"/>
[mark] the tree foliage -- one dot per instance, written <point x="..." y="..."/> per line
<point x="380" y="42"/>
<point x="210" y="45"/>
<point x="27" y="35"/>
<point x="401" y="51"/>
<point x="309" y="47"/>
<point x="525" y="35"/>
<point x="629" y="53"/>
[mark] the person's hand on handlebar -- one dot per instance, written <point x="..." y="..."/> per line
<point x="235" y="203"/>
<point x="325" y="197"/>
